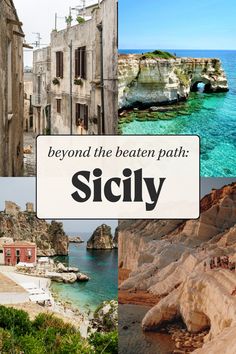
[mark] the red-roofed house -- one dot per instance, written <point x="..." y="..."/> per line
<point x="20" y="251"/>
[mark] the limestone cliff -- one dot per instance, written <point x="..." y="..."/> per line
<point x="20" y="225"/>
<point x="101" y="239"/>
<point x="147" y="81"/>
<point x="173" y="260"/>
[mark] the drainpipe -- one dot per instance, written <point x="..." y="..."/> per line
<point x="102" y="124"/>
<point x="71" y="101"/>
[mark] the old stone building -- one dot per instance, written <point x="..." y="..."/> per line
<point x="28" y="108"/>
<point x="83" y="82"/>
<point x="11" y="91"/>
<point x="41" y="91"/>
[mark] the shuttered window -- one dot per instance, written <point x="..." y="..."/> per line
<point x="81" y="63"/>
<point x="77" y="114"/>
<point x="58" y="106"/>
<point x="81" y="115"/>
<point x="59" y="64"/>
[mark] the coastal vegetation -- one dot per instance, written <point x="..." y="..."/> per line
<point x="158" y="54"/>
<point x="49" y="334"/>
<point x="183" y="77"/>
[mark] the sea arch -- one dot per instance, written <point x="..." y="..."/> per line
<point x="195" y="85"/>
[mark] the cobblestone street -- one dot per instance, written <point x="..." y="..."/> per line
<point x="29" y="159"/>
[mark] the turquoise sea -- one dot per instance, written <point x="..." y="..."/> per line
<point x="211" y="116"/>
<point x="100" y="266"/>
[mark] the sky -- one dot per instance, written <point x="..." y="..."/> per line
<point x="207" y="184"/>
<point x="39" y="16"/>
<point x="182" y="24"/>
<point x="22" y="190"/>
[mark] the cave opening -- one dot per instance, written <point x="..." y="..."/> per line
<point x="201" y="87"/>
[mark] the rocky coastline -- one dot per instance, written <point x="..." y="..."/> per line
<point x="50" y="238"/>
<point x="75" y="239"/>
<point x="190" y="266"/>
<point x="101" y="239"/>
<point x="153" y="88"/>
<point x="56" y="272"/>
<point x="146" y="80"/>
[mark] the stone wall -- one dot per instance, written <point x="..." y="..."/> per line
<point x="11" y="92"/>
<point x="41" y="90"/>
<point x="28" y="94"/>
<point x="11" y="208"/>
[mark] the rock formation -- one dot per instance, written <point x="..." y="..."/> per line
<point x="147" y="81"/>
<point x="115" y="239"/>
<point x="101" y="239"/>
<point x="190" y="265"/>
<point x="20" y="225"/>
<point x="75" y="239"/>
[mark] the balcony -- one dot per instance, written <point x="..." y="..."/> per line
<point x="37" y="100"/>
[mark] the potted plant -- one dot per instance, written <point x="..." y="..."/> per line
<point x="69" y="20"/>
<point x="80" y="19"/>
<point x="78" y="81"/>
<point x="56" y="81"/>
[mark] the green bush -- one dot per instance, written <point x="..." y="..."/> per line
<point x="74" y="344"/>
<point x="7" y="342"/>
<point x="106" y="343"/>
<point x="15" y="320"/>
<point x="31" y="345"/>
<point x="158" y="54"/>
<point x="45" y="321"/>
<point x="48" y="334"/>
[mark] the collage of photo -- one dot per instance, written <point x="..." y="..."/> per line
<point x="109" y="67"/>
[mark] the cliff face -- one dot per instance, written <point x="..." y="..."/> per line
<point x="138" y="237"/>
<point x="51" y="239"/>
<point x="146" y="82"/>
<point x="173" y="260"/>
<point x="101" y="239"/>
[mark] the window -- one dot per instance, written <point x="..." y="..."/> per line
<point x="81" y="115"/>
<point x="80" y="63"/>
<point x="17" y="253"/>
<point x="58" y="105"/>
<point x="39" y="89"/>
<point x="29" y="253"/>
<point x="59" y="64"/>
<point x="8" y="253"/>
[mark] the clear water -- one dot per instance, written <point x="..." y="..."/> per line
<point x="211" y="116"/>
<point x="100" y="266"/>
<point x="133" y="340"/>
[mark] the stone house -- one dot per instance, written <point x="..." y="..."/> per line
<point x="84" y="73"/>
<point x="19" y="252"/>
<point x="11" y="91"/>
<point x="41" y="91"/>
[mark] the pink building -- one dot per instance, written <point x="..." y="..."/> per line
<point x="20" y="251"/>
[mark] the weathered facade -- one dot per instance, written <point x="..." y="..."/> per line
<point x="83" y="82"/>
<point x="41" y="91"/>
<point x="11" y="91"/>
<point x="16" y="252"/>
<point x="28" y="108"/>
